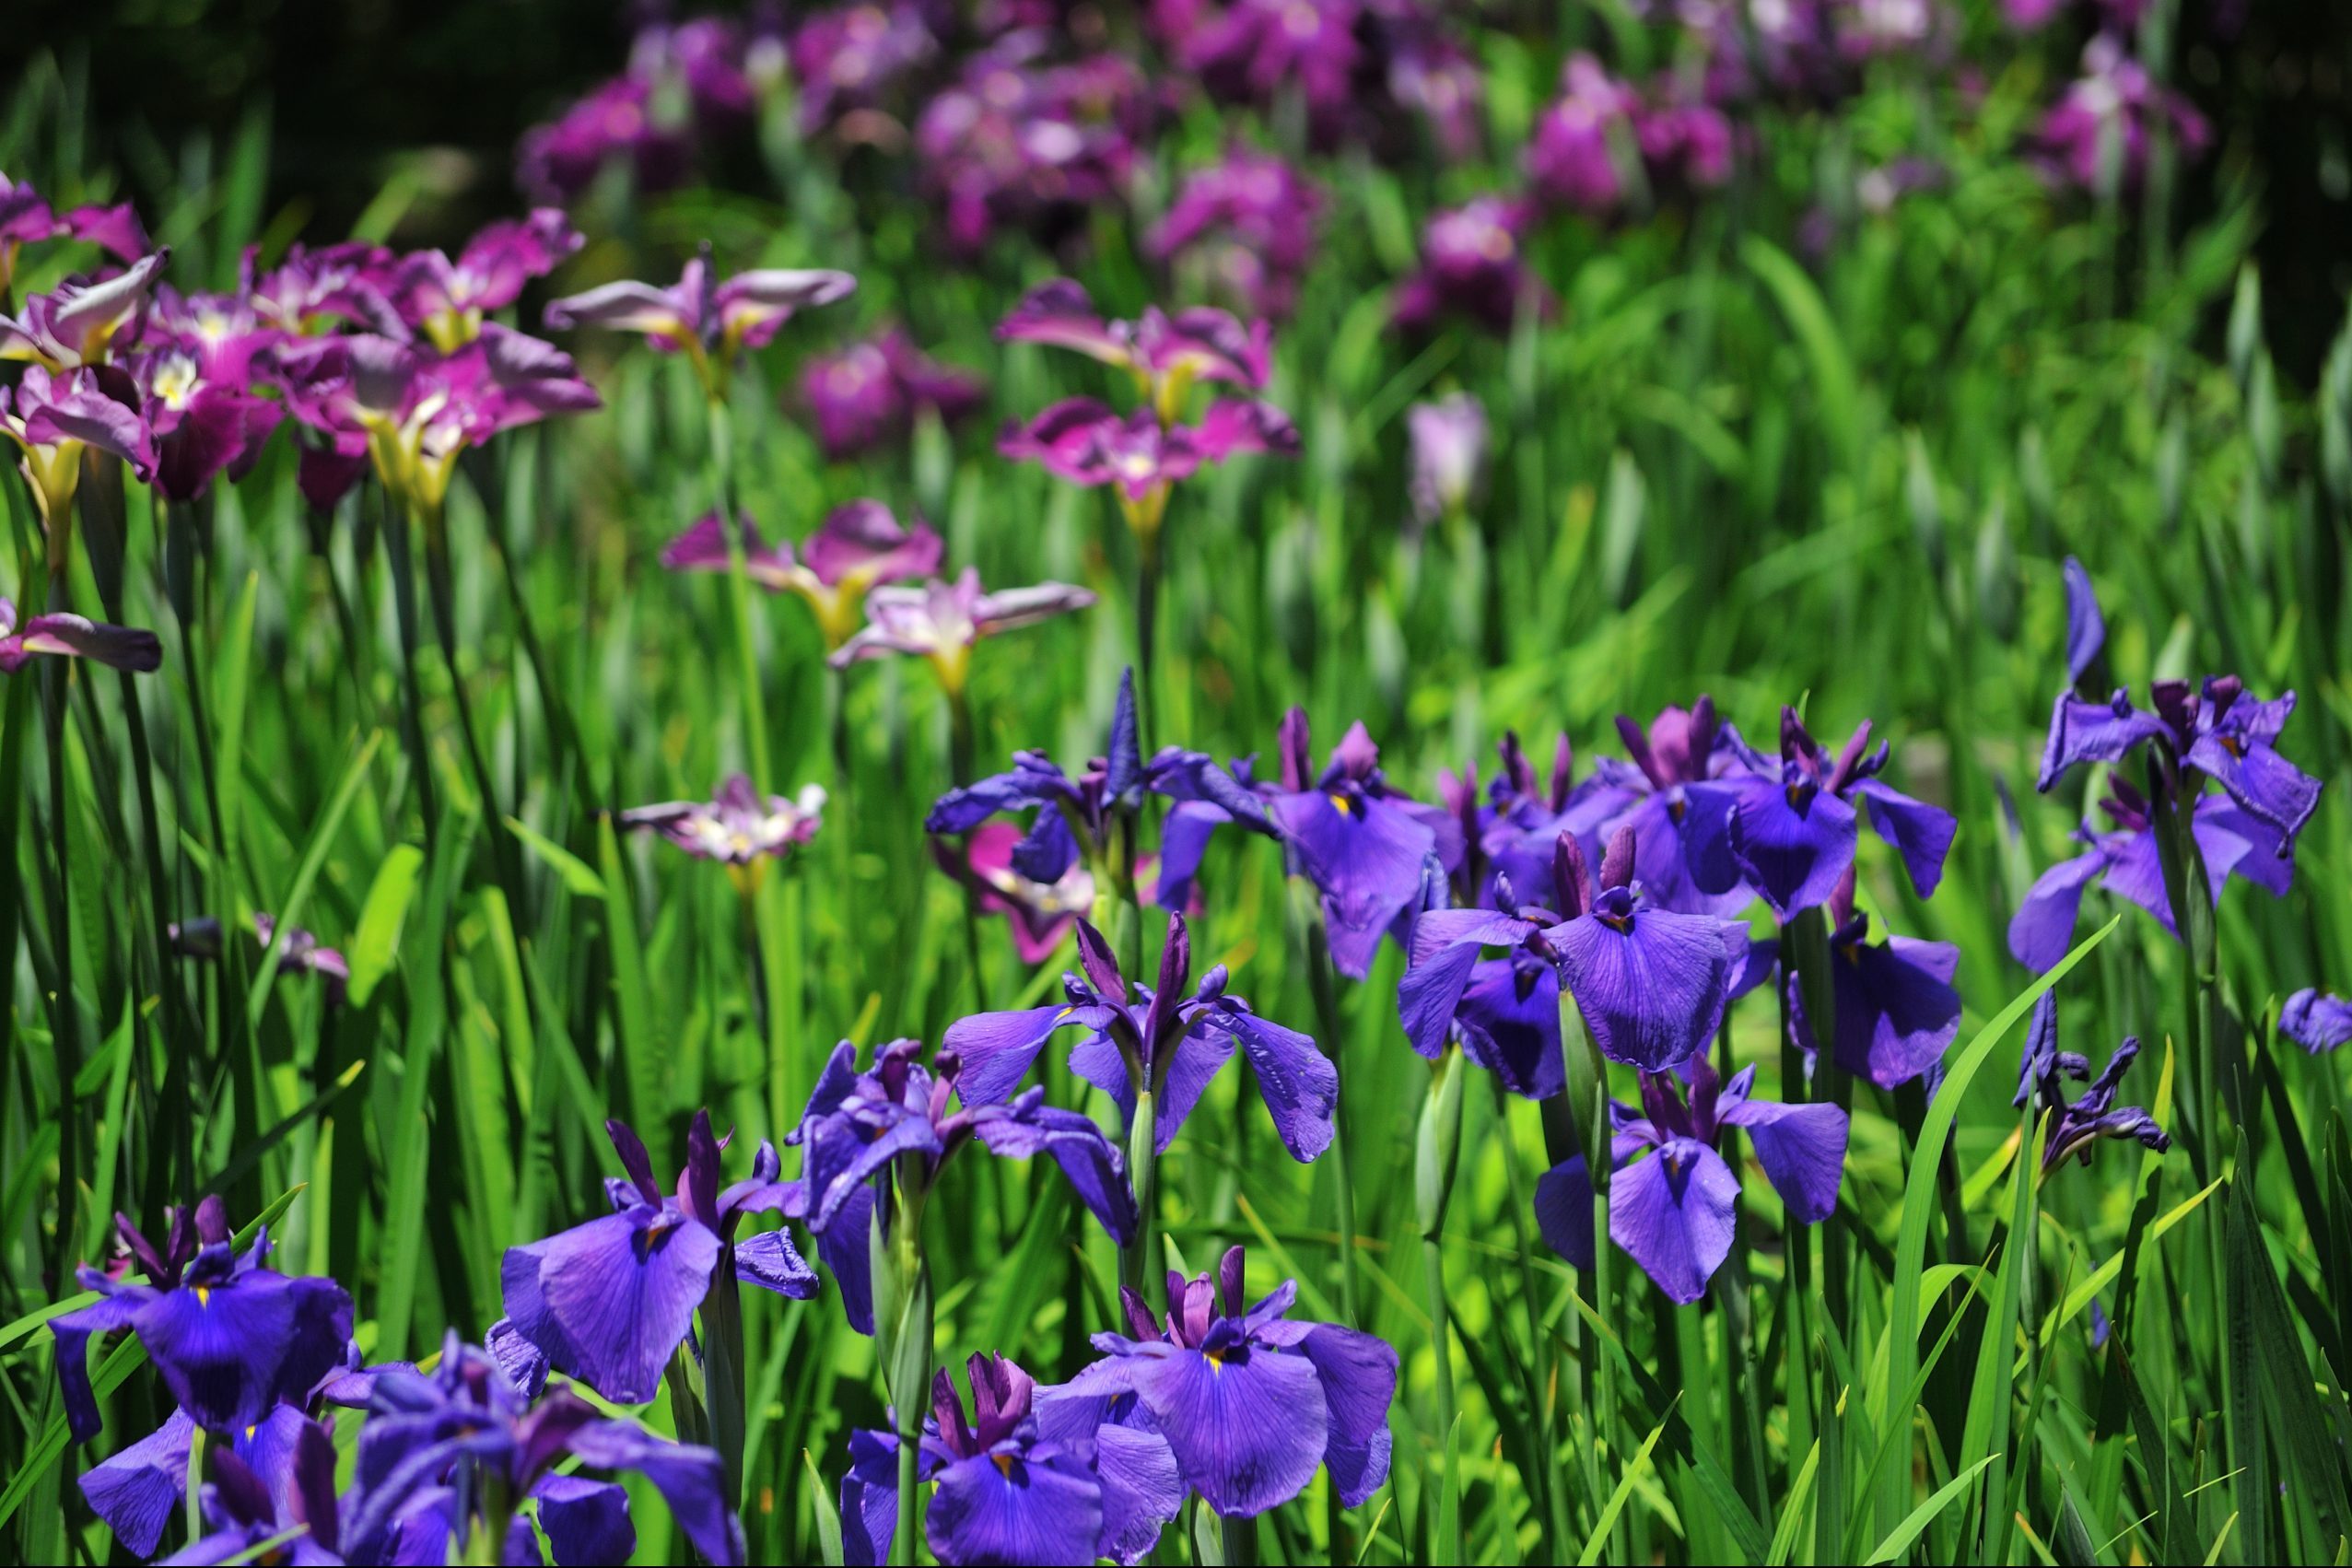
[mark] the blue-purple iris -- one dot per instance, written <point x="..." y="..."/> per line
<point x="1370" y="850"/>
<point x="231" y="1338"/>
<point x="1008" y="1489"/>
<point x="1250" y="1402"/>
<point x="2076" y="1127"/>
<point x="1895" y="1012"/>
<point x="2316" y="1021"/>
<point x="1157" y="1040"/>
<point x="608" y="1302"/>
<point x="1674" y="1209"/>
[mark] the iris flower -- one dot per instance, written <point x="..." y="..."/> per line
<point x="2316" y="1021"/>
<point x="1141" y="1038"/>
<point x="608" y="1302"/>
<point x="735" y="828"/>
<point x="1039" y="913"/>
<point x="1370" y="850"/>
<point x="857" y="1125"/>
<point x="230" y="1339"/>
<point x="2041" y="1076"/>
<point x="68" y="635"/>
<point x="54" y="419"/>
<point x="711" y="324"/>
<point x="1006" y="1491"/>
<point x="1249" y="221"/>
<point x="870" y="392"/>
<point x="1087" y="443"/>
<point x="26" y="218"/>
<point x="201" y="427"/>
<point x="1896" y="1010"/>
<point x="300" y="953"/>
<point x="440" y="1449"/>
<point x="860" y="546"/>
<point x="1250" y="1402"/>
<point x="1448" y="444"/>
<point x="1650" y="984"/>
<point x="1789" y="831"/>
<point x="1164" y="354"/>
<point x="447" y="300"/>
<point x="139" y="1489"/>
<point x="77" y="323"/>
<point x="943" y="621"/>
<point x="312" y="291"/>
<point x="1473" y="263"/>
<point x="1673" y="1210"/>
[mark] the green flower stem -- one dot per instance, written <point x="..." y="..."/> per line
<point x="1587" y="1108"/>
<point x="724" y="1391"/>
<point x="1323" y="979"/>
<point x="1436" y="1155"/>
<point x="739" y="594"/>
<point x="903" y="1337"/>
<point x="1136" y="1262"/>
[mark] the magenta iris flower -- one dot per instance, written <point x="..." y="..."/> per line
<point x="712" y="323"/>
<point x="27" y="219"/>
<point x="869" y="393"/>
<point x="77" y="323"/>
<point x="2316" y="1021"/>
<point x="2097" y="134"/>
<point x="1473" y="263"/>
<point x="1039" y="913"/>
<point x="860" y="544"/>
<point x="2041" y="1076"/>
<point x="1789" y="832"/>
<point x="1087" y="443"/>
<point x="1006" y="1491"/>
<point x="1248" y="223"/>
<point x="1166" y="354"/>
<point x="943" y="621"/>
<point x="1372" y="852"/>
<point x="53" y="418"/>
<point x="230" y="1339"/>
<point x="1673" y="1199"/>
<point x="734" y="827"/>
<point x="853" y="57"/>
<point x="440" y="1449"/>
<point x="1141" y="1038"/>
<point x="201" y="427"/>
<point x="1896" y="1010"/>
<point x="315" y="290"/>
<point x="1250" y="1402"/>
<point x="1017" y="143"/>
<point x="73" y="637"/>
<point x="300" y="953"/>
<point x="1447" y="455"/>
<point x="608" y="1301"/>
<point x="447" y="300"/>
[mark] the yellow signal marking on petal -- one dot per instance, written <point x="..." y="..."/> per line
<point x="1065" y="1012"/>
<point x="204" y="1295"/>
<point x="1003" y="1465"/>
<point x="1340" y="804"/>
<point x="1216" y="1359"/>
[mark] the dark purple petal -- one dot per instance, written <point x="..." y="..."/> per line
<point x="1078" y="1146"/>
<point x="690" y="1479"/>
<point x="1142" y="1490"/>
<point x="1364" y="855"/>
<point x="623" y="1289"/>
<point x="1298" y="1084"/>
<point x="1359" y="1375"/>
<point x="1510" y="1019"/>
<point x="1248" y="1430"/>
<point x="769" y="1260"/>
<point x="73" y="1332"/>
<point x="869" y="1499"/>
<point x="1044" y="1509"/>
<point x="1802" y="1148"/>
<point x="998" y="1048"/>
<point x="1651" y="992"/>
<point x="2086" y="627"/>
<point x="2315" y="1021"/>
<point x="1922" y="834"/>
<point x="1059" y="313"/>
<point x="1673" y="1211"/>
<point x="138" y="1488"/>
<point x="1445" y="949"/>
<point x="585" y="1521"/>
<point x="2043" y="927"/>
<point x="2263" y="782"/>
<point x="230" y="1352"/>
<point x="1793" y="842"/>
<point x="2094" y="732"/>
<point x="1897" y="1013"/>
<point x="1564" y="1203"/>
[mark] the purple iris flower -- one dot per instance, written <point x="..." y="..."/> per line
<point x="1370" y="850"/>
<point x="1448" y="439"/>
<point x="860" y="544"/>
<point x="54" y="419"/>
<point x="1249" y="223"/>
<point x="734" y="827"/>
<point x="2316" y="1021"/>
<point x="439" y="1448"/>
<point x="77" y="323"/>
<point x="857" y="1125"/>
<point x="1087" y="443"/>
<point x="1017" y="143"/>
<point x="1896" y="1010"/>
<point x="231" y="1338"/>
<point x="1008" y="1489"/>
<point x="1141" y="1039"/>
<point x="223" y="332"/>
<point x="851" y="58"/>
<point x="608" y="1302"/>
<point x="1674" y="1211"/>
<point x="1040" y="913"/>
<point x="2126" y="861"/>
<point x="870" y="392"/>
<point x="315" y="290"/>
<point x="446" y="301"/>
<point x="201" y="427"/>
<point x="300" y="953"/>
<point x="2042" y="1077"/>
<point x="1585" y="141"/>
<point x="942" y="620"/>
<point x="614" y="122"/>
<point x="711" y="324"/>
<point x="1789" y="832"/>
<point x="1160" y="350"/>
<point x="27" y="219"/>
<point x="1473" y="264"/>
<point x="73" y="637"/>
<point x="139" y="1489"/>
<point x="1651" y="984"/>
<point x="1250" y="1402"/>
<point x="2097" y="134"/>
<point x="253" y="1493"/>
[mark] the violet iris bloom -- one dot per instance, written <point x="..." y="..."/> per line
<point x="2042" y="1077"/>
<point x="73" y="637"/>
<point x="1789" y="832"/>
<point x="851" y="58"/>
<point x="231" y="1340"/>
<point x="1164" y="354"/>
<point x="1473" y="264"/>
<point x="2126" y="861"/>
<point x="1039" y="913"/>
<point x="1249" y="223"/>
<point x="857" y="1125"/>
<point x="1896" y="1010"/>
<point x="1673" y="1211"/>
<point x="870" y="392"/>
<point x="1087" y="443"/>
<point x="1016" y="143"/>
<point x="860" y="546"/>
<point x="1651" y="984"/>
<point x="1448" y="449"/>
<point x="608" y="1301"/>
<point x="1155" y="1039"/>
<point x="251" y="1499"/>
<point x="77" y="323"/>
<point x="614" y="122"/>
<point x="447" y="300"/>
<point x="943" y="621"/>
<point x="139" y="1489"/>
<point x="1250" y="1402"/>
<point x="2315" y="1021"/>
<point x="315" y="290"/>
<point x="1370" y="850"/>
<point x="1660" y="796"/>
<point x="201" y="427"/>
<point x="2097" y="136"/>
<point x="712" y="325"/>
<point x="438" y="1447"/>
<point x="26" y="218"/>
<point x="1007" y="1492"/>
<point x="53" y="419"/>
<point x="1584" y="145"/>
<point x="300" y="953"/>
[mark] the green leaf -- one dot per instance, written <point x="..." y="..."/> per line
<point x="377" y="942"/>
<point x="1900" y="1538"/>
<point x="573" y="872"/>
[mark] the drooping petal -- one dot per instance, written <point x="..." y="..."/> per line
<point x="73" y="1332"/>
<point x="1510" y="1018"/>
<point x="623" y="1289"/>
<point x="1044" y="1509"/>
<point x="1673" y="1213"/>
<point x="690" y="1479"/>
<point x="1298" y="1084"/>
<point x="1078" y="1146"/>
<point x="585" y="1521"/>
<point x="138" y="1488"/>
<point x="1802" y="1148"/>
<point x="1922" y="834"/>
<point x="1897" y="1013"/>
<point x="1363" y="855"/>
<point x="2043" y="927"/>
<point x="1359" y="1375"/>
<point x="232" y="1351"/>
<point x="869" y="1499"/>
<point x="2086" y="627"/>
<point x="1447" y="945"/>
<point x="1793" y="842"/>
<point x="1564" y="1203"/>
<point x="1142" y="1490"/>
<point x="1248" y="1430"/>
<point x="1653" y="989"/>
<point x="2316" y="1021"/>
<point x="2259" y="780"/>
